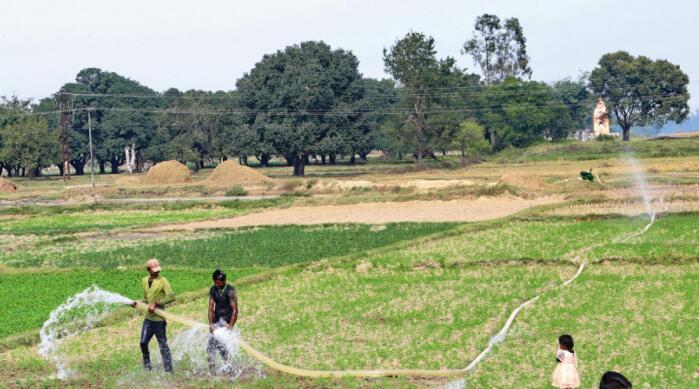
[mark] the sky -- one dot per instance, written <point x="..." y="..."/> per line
<point x="209" y="44"/>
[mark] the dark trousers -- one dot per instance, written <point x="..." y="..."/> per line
<point x="214" y="346"/>
<point x="156" y="328"/>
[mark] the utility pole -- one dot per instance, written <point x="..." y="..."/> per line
<point x="64" y="136"/>
<point x="92" y="156"/>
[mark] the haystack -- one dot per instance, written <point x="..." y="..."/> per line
<point x="168" y="172"/>
<point x="523" y="181"/>
<point x="7" y="185"/>
<point x="230" y="173"/>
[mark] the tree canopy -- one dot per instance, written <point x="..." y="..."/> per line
<point x="639" y="91"/>
<point x="499" y="49"/>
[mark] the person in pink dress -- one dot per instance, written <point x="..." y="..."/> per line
<point x="566" y="375"/>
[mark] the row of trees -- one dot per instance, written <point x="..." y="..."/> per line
<point x="309" y="102"/>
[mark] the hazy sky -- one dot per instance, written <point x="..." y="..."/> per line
<point x="209" y="44"/>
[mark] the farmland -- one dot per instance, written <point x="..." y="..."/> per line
<point x="412" y="294"/>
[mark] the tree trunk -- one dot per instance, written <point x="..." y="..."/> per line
<point x="60" y="169"/>
<point x="79" y="167"/>
<point x="626" y="133"/>
<point x="264" y="159"/>
<point x="115" y="165"/>
<point x="322" y="159"/>
<point x="418" y="160"/>
<point x="299" y="165"/>
<point x="353" y="159"/>
<point x="102" y="168"/>
<point x="362" y="156"/>
<point x="332" y="159"/>
<point x="463" y="156"/>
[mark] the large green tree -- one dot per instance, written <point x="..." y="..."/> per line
<point x="13" y="109"/>
<point x="424" y="84"/>
<point x="300" y="96"/>
<point x="499" y="49"/>
<point x="519" y="113"/>
<point x="576" y="95"/>
<point x="30" y="144"/>
<point x="639" y="91"/>
<point x="122" y="113"/>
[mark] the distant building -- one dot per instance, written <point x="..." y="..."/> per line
<point x="600" y="119"/>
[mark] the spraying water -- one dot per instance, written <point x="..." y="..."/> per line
<point x="78" y="314"/>
<point x="641" y="183"/>
<point x="190" y="354"/>
<point x="86" y="309"/>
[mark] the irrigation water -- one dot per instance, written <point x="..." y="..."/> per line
<point x="85" y="310"/>
<point x="77" y="315"/>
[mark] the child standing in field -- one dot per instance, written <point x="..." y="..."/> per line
<point x="566" y="373"/>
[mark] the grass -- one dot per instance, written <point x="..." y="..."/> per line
<point x="65" y="220"/>
<point x="190" y="262"/>
<point x="582" y="151"/>
<point x="550" y="239"/>
<point x="640" y="320"/>
<point x="435" y="303"/>
<point x="264" y="246"/>
<point x="29" y="297"/>
<point x="343" y="319"/>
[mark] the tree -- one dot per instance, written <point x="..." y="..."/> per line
<point x="500" y="50"/>
<point x="413" y="63"/>
<point x="12" y="110"/>
<point x="299" y="96"/>
<point x="121" y="117"/>
<point x="373" y="109"/>
<point x="30" y="144"/>
<point x="470" y="139"/>
<point x="639" y="91"/>
<point x="577" y="97"/>
<point x="519" y="113"/>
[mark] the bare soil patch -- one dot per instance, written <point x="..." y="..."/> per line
<point x="7" y="185"/>
<point x="377" y="213"/>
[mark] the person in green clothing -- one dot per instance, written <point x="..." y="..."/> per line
<point x="157" y="292"/>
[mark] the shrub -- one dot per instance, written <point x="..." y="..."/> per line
<point x="236" y="190"/>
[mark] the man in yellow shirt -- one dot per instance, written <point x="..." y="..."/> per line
<point x="157" y="292"/>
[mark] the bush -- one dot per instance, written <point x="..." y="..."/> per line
<point x="236" y="190"/>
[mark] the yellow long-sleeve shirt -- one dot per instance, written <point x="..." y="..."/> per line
<point x="158" y="292"/>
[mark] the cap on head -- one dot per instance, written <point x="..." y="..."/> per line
<point x="153" y="265"/>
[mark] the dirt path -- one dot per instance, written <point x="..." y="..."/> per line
<point x="375" y="213"/>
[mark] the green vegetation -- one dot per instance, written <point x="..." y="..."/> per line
<point x="236" y="191"/>
<point x="636" y="319"/>
<point x="71" y="219"/>
<point x="583" y="151"/>
<point x="29" y="297"/>
<point x="263" y="246"/>
<point x="342" y="318"/>
<point x="188" y="262"/>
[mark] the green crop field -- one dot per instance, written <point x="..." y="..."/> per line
<point x="409" y="303"/>
<point x="188" y="262"/>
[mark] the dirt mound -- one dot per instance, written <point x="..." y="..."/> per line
<point x="168" y="172"/>
<point x="7" y="185"/>
<point x="230" y="173"/>
<point x="523" y="180"/>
